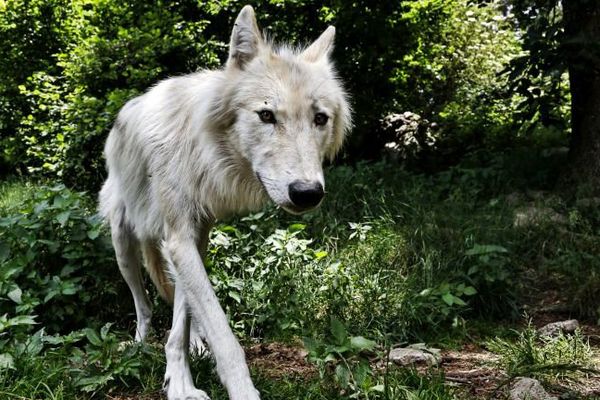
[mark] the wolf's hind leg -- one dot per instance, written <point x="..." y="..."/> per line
<point x="127" y="251"/>
<point x="178" y="383"/>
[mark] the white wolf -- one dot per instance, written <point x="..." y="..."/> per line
<point x="203" y="146"/>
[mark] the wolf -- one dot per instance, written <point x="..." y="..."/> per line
<point x="202" y="147"/>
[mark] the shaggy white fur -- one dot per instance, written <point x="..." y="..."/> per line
<point x="203" y="146"/>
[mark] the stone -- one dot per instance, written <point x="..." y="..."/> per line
<point x="554" y="328"/>
<point x="415" y="354"/>
<point x="529" y="389"/>
<point x="532" y="215"/>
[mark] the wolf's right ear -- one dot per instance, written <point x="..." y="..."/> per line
<point x="321" y="47"/>
<point x="245" y="39"/>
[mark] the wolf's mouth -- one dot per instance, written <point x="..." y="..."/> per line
<point x="288" y="206"/>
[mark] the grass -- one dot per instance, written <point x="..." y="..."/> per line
<point x="397" y="257"/>
<point x="549" y="358"/>
<point x="13" y="192"/>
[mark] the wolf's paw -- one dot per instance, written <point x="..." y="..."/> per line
<point x="249" y="394"/>
<point x="195" y="394"/>
<point x="183" y="391"/>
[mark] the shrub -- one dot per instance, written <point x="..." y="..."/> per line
<point x="55" y="265"/>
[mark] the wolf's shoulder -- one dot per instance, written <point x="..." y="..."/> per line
<point x="194" y="81"/>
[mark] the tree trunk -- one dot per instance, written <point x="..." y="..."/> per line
<point x="582" y="46"/>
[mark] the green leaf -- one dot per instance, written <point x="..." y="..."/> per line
<point x="458" y="300"/>
<point x="63" y="217"/>
<point x="296" y="227"/>
<point x="235" y="296"/>
<point x="35" y="344"/>
<point x="448" y="298"/>
<point x="338" y="330"/>
<point x="4" y="251"/>
<point x="360" y="343"/>
<point x="342" y="375"/>
<point x="470" y="291"/>
<point x="320" y="254"/>
<point x="105" y="330"/>
<point x="15" y="294"/>
<point x="92" y="337"/>
<point x="6" y="361"/>
<point x="339" y="349"/>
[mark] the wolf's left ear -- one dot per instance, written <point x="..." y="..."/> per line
<point x="321" y="47"/>
<point x="245" y="39"/>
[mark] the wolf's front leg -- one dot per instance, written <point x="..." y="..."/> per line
<point x="204" y="307"/>
<point x="179" y="384"/>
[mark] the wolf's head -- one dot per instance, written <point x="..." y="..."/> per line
<point x="290" y="112"/>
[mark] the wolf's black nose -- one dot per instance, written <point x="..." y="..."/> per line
<point x="305" y="194"/>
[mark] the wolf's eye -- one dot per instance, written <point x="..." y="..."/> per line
<point x="267" y="116"/>
<point x="321" y="119"/>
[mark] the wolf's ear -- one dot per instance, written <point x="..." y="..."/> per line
<point x="321" y="47"/>
<point x="245" y="39"/>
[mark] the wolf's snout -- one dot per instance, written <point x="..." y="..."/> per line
<point x="306" y="194"/>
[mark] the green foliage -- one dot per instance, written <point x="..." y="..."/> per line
<point x="564" y="356"/>
<point x="112" y="52"/>
<point x="80" y="364"/>
<point x="48" y="250"/>
<point x="30" y="34"/>
<point x="342" y="356"/>
<point x="538" y="75"/>
<point x="450" y="72"/>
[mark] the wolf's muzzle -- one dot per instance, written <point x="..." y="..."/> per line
<point x="306" y="194"/>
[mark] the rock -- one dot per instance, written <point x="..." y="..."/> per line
<point x="532" y="215"/>
<point x="554" y="328"/>
<point x="529" y="389"/>
<point x="415" y="354"/>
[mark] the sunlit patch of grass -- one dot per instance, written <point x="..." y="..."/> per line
<point x="550" y="358"/>
<point x="13" y="193"/>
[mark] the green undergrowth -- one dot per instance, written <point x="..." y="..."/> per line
<point x="549" y="358"/>
<point x="395" y="257"/>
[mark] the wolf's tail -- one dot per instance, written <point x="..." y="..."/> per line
<point x="157" y="269"/>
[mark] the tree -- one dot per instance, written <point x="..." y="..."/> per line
<point x="582" y="47"/>
<point x="564" y="36"/>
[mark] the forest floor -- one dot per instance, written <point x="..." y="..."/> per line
<point x="469" y="367"/>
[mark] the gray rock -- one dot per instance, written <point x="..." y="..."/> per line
<point x="415" y="354"/>
<point x="553" y="329"/>
<point x="532" y="215"/>
<point x="529" y="389"/>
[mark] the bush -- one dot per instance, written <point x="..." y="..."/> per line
<point x="114" y="51"/>
<point x="56" y="266"/>
<point x="31" y="33"/>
